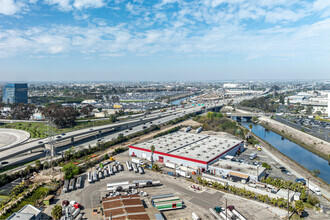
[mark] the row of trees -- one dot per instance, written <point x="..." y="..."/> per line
<point x="279" y="202"/>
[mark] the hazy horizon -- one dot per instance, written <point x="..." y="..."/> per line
<point x="164" y="40"/>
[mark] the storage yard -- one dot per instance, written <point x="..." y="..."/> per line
<point x="126" y="187"/>
<point x="187" y="199"/>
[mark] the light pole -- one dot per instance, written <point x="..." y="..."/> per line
<point x="226" y="208"/>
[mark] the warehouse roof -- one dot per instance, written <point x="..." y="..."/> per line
<point x="195" y="146"/>
<point x="123" y="207"/>
<point x="240" y="167"/>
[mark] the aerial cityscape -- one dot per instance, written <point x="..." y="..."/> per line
<point x="165" y="109"/>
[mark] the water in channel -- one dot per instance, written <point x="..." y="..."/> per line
<point x="292" y="150"/>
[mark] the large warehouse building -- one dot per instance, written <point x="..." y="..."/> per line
<point x="187" y="149"/>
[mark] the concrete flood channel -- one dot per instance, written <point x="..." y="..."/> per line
<point x="292" y="150"/>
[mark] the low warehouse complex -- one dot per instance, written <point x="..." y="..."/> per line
<point x="187" y="149"/>
<point x="237" y="171"/>
<point x="124" y="207"/>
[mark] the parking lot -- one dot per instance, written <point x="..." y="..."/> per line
<point x="90" y="194"/>
<point x="320" y="129"/>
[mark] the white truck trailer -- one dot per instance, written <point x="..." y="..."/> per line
<point x="129" y="166"/>
<point x="135" y="168"/>
<point x="136" y="160"/>
<point x="170" y="165"/>
<point x="315" y="189"/>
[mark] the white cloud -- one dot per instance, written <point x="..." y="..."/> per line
<point x="81" y="4"/>
<point x="321" y="4"/>
<point x="63" y="5"/>
<point x="10" y="7"/>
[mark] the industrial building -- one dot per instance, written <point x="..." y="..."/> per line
<point x="187" y="149"/>
<point x="237" y="171"/>
<point x="15" y="93"/>
<point x="28" y="212"/>
<point x="124" y="207"/>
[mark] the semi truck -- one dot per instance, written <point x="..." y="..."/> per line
<point x="183" y="173"/>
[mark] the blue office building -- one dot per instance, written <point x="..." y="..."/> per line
<point x="15" y="93"/>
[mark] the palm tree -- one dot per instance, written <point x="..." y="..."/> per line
<point x="250" y="126"/>
<point x="152" y="148"/>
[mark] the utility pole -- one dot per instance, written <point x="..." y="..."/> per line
<point x="288" y="199"/>
<point x="307" y="186"/>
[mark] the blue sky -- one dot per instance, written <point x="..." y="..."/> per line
<point x="164" y="39"/>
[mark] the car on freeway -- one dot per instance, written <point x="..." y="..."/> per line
<point x="59" y="137"/>
<point x="40" y="142"/>
<point x="130" y="128"/>
<point x="91" y="129"/>
<point x="282" y="168"/>
<point x="63" y="133"/>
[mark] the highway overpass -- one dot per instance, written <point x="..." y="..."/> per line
<point x="87" y="133"/>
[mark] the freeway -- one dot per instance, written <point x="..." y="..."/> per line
<point x="88" y="132"/>
<point x="129" y="127"/>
